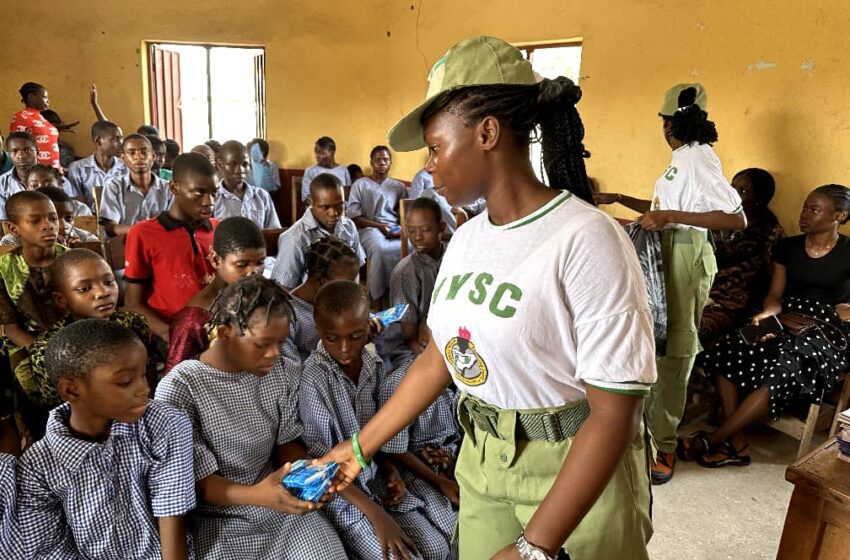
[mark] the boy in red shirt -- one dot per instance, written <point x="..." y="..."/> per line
<point x="167" y="257"/>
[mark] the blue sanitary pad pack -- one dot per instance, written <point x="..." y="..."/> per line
<point x="395" y="229"/>
<point x="391" y="315"/>
<point x="309" y="482"/>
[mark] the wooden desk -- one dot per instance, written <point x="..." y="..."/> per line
<point x="817" y="525"/>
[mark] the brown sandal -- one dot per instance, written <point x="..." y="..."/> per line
<point x="729" y="456"/>
<point x="693" y="446"/>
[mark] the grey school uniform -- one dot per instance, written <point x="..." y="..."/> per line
<point x="340" y="172"/>
<point x="302" y="332"/>
<point x="421" y="181"/>
<point x="85" y="174"/>
<point x="332" y="407"/>
<point x="9" y="185"/>
<point x="84" y="499"/>
<point x="255" y="204"/>
<point x="412" y="282"/>
<point x="124" y="203"/>
<point x="11" y="240"/>
<point x="436" y="427"/>
<point x="451" y="222"/>
<point x="290" y="269"/>
<point x="378" y="202"/>
<point x="223" y="408"/>
<point x="9" y="546"/>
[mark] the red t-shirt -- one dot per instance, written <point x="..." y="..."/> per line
<point x="172" y="258"/>
<point x="45" y="134"/>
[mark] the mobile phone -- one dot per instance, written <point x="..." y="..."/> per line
<point x="754" y="333"/>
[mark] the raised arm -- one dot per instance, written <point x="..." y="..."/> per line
<point x="94" y="104"/>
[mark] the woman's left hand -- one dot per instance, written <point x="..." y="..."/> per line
<point x="654" y="220"/>
<point x="843" y="311"/>
<point x="508" y="553"/>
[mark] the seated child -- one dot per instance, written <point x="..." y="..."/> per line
<point x="22" y="149"/>
<point x="238" y="249"/>
<point x="427" y="449"/>
<point x="354" y="171"/>
<point x="46" y="176"/>
<point x="172" y="150"/>
<point x="100" y="167"/>
<point x="168" y="257"/>
<point x="328" y="259"/>
<point x="338" y="393"/>
<point x="9" y="545"/>
<point x="68" y="234"/>
<point x="373" y="205"/>
<point x="5" y="158"/>
<point x="136" y="196"/>
<point x="235" y="196"/>
<point x="26" y="308"/>
<point x="113" y="476"/>
<point x="160" y="154"/>
<point x="325" y="217"/>
<point x="83" y="287"/>
<point x="412" y="280"/>
<point x="325" y="153"/>
<point x="242" y="385"/>
<point x="264" y="173"/>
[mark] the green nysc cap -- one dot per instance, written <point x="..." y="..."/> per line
<point x="681" y="96"/>
<point x="477" y="61"/>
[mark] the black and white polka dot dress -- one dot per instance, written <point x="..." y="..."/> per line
<point x="793" y="368"/>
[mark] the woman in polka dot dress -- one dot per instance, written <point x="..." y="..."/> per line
<point x="811" y="276"/>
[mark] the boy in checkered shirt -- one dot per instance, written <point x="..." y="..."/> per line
<point x="113" y="476"/>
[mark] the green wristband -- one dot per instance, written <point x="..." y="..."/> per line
<point x="355" y="443"/>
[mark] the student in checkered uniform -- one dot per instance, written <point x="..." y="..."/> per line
<point x="426" y="451"/>
<point x="112" y="477"/>
<point x="9" y="545"/>
<point x="338" y="393"/>
<point x="330" y="258"/>
<point x="240" y="396"/>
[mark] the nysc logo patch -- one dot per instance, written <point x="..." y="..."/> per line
<point x="469" y="367"/>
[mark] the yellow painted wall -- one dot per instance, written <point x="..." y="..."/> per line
<point x="776" y="72"/>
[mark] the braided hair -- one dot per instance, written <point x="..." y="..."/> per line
<point x="323" y="254"/>
<point x="549" y="105"/>
<point x="237" y="303"/>
<point x="690" y="123"/>
<point x="840" y="197"/>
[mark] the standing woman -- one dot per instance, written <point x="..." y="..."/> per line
<point x="539" y="314"/>
<point x="29" y="119"/>
<point x="691" y="197"/>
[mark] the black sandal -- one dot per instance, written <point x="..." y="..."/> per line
<point x="730" y="456"/>
<point x="688" y="448"/>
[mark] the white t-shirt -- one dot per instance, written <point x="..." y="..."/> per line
<point x="528" y="312"/>
<point x="694" y="182"/>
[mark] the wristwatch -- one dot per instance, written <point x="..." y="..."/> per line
<point x="530" y="552"/>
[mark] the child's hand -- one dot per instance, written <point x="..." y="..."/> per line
<point x="394" y="484"/>
<point x="438" y="459"/>
<point x="270" y="493"/>
<point x="392" y="538"/>
<point x="93" y="94"/>
<point x="376" y="327"/>
<point x="449" y="489"/>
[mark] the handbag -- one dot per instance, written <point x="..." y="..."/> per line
<point x="798" y="324"/>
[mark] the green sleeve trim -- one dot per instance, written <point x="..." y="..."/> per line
<point x="633" y="392"/>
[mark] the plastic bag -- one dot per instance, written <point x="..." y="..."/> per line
<point x="309" y="482"/>
<point x="391" y="315"/>
<point x="648" y="247"/>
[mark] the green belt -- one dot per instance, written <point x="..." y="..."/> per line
<point x="553" y="426"/>
<point x="688" y="236"/>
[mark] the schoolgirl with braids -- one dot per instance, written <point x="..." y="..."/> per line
<point x="328" y="259"/>
<point x="539" y="315"/>
<point x="243" y="386"/>
<point x="238" y="250"/>
<point x="691" y="197"/>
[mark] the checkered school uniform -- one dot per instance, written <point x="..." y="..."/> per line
<point x="238" y="419"/>
<point x="412" y="282"/>
<point x="302" y="332"/>
<point x="332" y="407"/>
<point x="86" y="499"/>
<point x="255" y="204"/>
<point x="9" y="546"/>
<point x="9" y="185"/>
<point x="123" y="203"/>
<point x="85" y="174"/>
<point x="437" y="427"/>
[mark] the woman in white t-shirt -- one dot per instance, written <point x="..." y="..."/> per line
<point x="691" y="197"/>
<point x="539" y="315"/>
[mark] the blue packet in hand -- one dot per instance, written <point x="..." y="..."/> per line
<point x="391" y="315"/>
<point x="394" y="230"/>
<point x="309" y="482"/>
